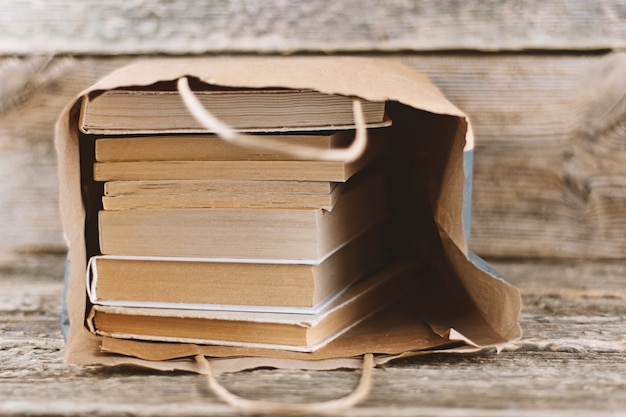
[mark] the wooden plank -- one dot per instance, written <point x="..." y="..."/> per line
<point x="550" y="163"/>
<point x="33" y="93"/>
<point x="571" y="361"/>
<point x="193" y="26"/>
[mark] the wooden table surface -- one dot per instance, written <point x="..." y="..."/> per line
<point x="571" y="360"/>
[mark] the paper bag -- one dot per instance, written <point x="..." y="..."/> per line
<point x="460" y="302"/>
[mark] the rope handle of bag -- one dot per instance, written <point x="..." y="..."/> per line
<point x="350" y="153"/>
<point x="228" y="134"/>
<point x="244" y="405"/>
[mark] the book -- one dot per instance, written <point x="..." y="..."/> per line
<point x="288" y="331"/>
<point x="246" y="233"/>
<point x="198" y="283"/>
<point x="169" y="187"/>
<point x="219" y="200"/>
<point x="210" y="147"/>
<point x="290" y="170"/>
<point x="258" y="198"/>
<point x="160" y="109"/>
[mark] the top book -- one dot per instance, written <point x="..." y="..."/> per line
<point x="160" y="109"/>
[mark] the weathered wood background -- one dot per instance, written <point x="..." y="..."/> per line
<point x="545" y="86"/>
<point x="279" y="26"/>
<point x="550" y="167"/>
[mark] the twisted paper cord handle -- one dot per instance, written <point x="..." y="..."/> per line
<point x="210" y="122"/>
<point x="274" y="408"/>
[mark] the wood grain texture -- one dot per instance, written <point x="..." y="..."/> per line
<point x="34" y="92"/>
<point x="571" y="360"/>
<point x="550" y="159"/>
<point x="279" y="26"/>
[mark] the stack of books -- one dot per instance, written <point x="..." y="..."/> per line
<point x="203" y="241"/>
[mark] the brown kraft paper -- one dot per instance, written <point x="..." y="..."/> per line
<point x="458" y="303"/>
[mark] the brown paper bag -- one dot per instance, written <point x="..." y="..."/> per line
<point x="461" y="303"/>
